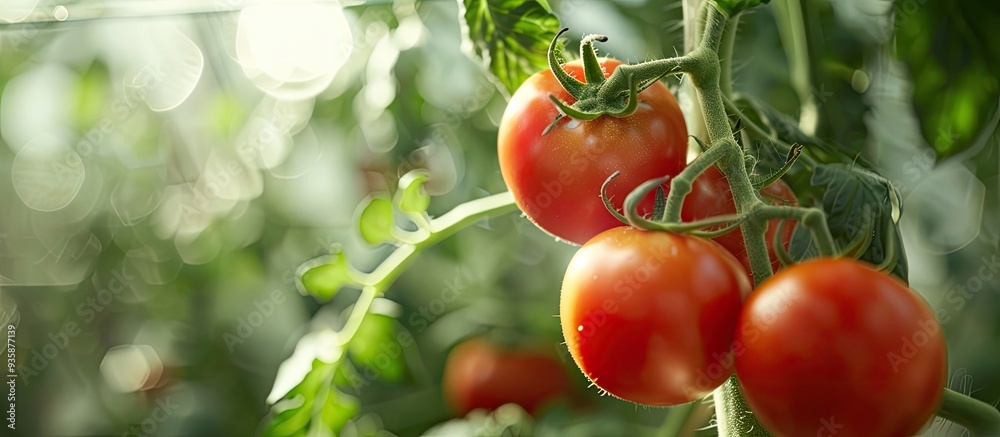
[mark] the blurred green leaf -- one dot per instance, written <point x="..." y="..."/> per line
<point x="227" y="113"/>
<point x="412" y="197"/>
<point x="91" y="96"/>
<point x="949" y="49"/>
<point x="510" y="36"/>
<point x="856" y="201"/>
<point x="325" y="276"/>
<point x="313" y="407"/>
<point x="375" y="221"/>
<point x="778" y="125"/>
<point x="375" y="347"/>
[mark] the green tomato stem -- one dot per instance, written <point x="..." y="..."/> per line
<point x="726" y="56"/>
<point x="361" y="307"/>
<point x="681" y="184"/>
<point x="733" y="414"/>
<point x="378" y="281"/>
<point x="812" y="218"/>
<point x="791" y="27"/>
<point x="645" y="73"/>
<point x="980" y="418"/>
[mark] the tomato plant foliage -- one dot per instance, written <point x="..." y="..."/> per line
<point x="510" y="36"/>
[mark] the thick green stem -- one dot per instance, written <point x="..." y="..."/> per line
<point x="705" y="75"/>
<point x="726" y="56"/>
<point x="791" y="27"/>
<point x="979" y="418"/>
<point x="733" y="415"/>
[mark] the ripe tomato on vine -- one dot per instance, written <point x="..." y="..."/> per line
<point x="555" y="170"/>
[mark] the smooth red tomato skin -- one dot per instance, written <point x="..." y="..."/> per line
<point x="835" y="341"/>
<point x="711" y="196"/>
<point x="556" y="177"/>
<point x="649" y="316"/>
<point x="481" y="374"/>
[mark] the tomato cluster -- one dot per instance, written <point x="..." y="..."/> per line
<point x="663" y="319"/>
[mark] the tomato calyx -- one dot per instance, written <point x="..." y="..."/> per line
<point x="616" y="96"/>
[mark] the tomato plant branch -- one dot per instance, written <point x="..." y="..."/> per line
<point x="361" y="307"/>
<point x="726" y="56"/>
<point x="377" y="282"/>
<point x="812" y="218"/>
<point x="791" y="27"/>
<point x="732" y="413"/>
<point x="980" y="418"/>
<point x="681" y="185"/>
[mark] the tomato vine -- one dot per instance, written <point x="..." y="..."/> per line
<point x="709" y="68"/>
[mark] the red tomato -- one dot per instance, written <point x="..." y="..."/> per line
<point x="711" y="196"/>
<point x="556" y="177"/>
<point x="481" y="374"/>
<point x="834" y="344"/>
<point x="649" y="316"/>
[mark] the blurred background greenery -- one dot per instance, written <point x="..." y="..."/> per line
<point x="165" y="167"/>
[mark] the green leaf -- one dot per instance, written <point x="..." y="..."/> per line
<point x="950" y="52"/>
<point x="375" y="221"/>
<point x="313" y="407"/>
<point x="377" y="348"/>
<point x="780" y="126"/>
<point x="856" y="201"/>
<point x="510" y="36"/>
<point x="412" y="197"/>
<point x="323" y="277"/>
